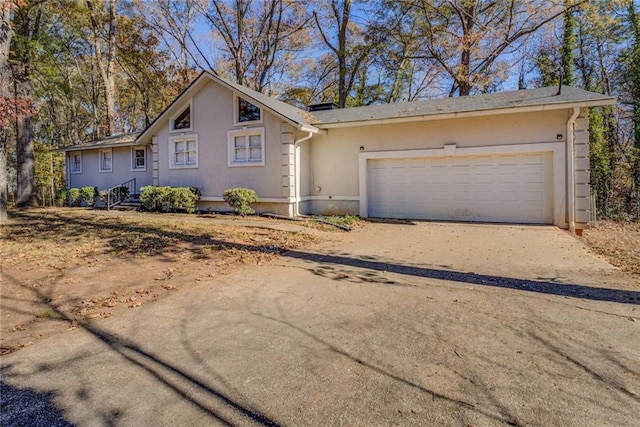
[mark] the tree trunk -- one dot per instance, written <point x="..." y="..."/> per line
<point x="105" y="58"/>
<point x="568" y="44"/>
<point x="6" y="34"/>
<point x="27" y="195"/>
<point x="27" y="25"/>
<point x="3" y="175"/>
<point x="464" y="71"/>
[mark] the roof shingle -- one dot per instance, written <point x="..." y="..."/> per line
<point x="546" y="97"/>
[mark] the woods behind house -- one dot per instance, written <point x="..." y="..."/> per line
<point x="75" y="71"/>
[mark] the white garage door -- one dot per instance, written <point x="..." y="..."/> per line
<point x="493" y="188"/>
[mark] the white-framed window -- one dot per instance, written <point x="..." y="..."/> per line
<point x="246" y="147"/>
<point x="138" y="158"/>
<point x="106" y="160"/>
<point x="245" y="112"/>
<point x="75" y="158"/>
<point x="183" y="152"/>
<point x="182" y="122"/>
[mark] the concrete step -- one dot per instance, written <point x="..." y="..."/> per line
<point x="124" y="208"/>
<point x="132" y="203"/>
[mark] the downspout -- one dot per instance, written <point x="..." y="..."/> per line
<point x="67" y="164"/>
<point x="296" y="167"/>
<point x="571" y="169"/>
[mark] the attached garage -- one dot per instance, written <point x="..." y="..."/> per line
<point x="513" y="157"/>
<point x="516" y="188"/>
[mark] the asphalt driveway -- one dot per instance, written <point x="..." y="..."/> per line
<point x="392" y="324"/>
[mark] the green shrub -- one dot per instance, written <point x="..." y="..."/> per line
<point x="83" y="196"/>
<point x="169" y="199"/>
<point x="88" y="195"/>
<point x="62" y="198"/>
<point x="73" y="197"/>
<point x="240" y="199"/>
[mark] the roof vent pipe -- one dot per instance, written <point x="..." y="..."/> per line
<point x="559" y="82"/>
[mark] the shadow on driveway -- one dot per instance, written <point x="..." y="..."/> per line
<point x="543" y="287"/>
<point x="163" y="371"/>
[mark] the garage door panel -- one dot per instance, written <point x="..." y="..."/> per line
<point x="491" y="188"/>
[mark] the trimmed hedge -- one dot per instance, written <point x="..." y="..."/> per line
<point x="240" y="199"/>
<point x="83" y="196"/>
<point x="169" y="199"/>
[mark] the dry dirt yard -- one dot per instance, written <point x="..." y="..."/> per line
<point x="618" y="242"/>
<point x="64" y="267"/>
<point x="61" y="267"/>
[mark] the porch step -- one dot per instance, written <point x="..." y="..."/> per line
<point x="123" y="207"/>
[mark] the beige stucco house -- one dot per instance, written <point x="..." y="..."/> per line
<point x="519" y="157"/>
<point x="108" y="162"/>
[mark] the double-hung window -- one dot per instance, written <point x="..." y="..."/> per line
<point x="138" y="159"/>
<point x="183" y="152"/>
<point x="106" y="160"/>
<point x="246" y="147"/>
<point x="76" y="162"/>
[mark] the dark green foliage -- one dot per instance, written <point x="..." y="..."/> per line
<point x="169" y="199"/>
<point x="240" y="199"/>
<point x="600" y="160"/>
<point x="89" y="194"/>
<point x="84" y="196"/>
<point x="73" y="197"/>
<point x="568" y="45"/>
<point x="547" y="68"/>
<point x="61" y="197"/>
<point x="634" y="83"/>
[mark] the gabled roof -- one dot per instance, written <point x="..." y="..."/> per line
<point x="122" y="140"/>
<point x="546" y="98"/>
<point x="297" y="117"/>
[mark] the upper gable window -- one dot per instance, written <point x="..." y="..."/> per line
<point x="246" y="112"/>
<point x="183" y="120"/>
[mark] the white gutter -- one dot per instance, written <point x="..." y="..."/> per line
<point x="296" y="166"/>
<point x="571" y="169"/>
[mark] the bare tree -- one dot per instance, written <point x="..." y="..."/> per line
<point x="350" y="42"/>
<point x="469" y="38"/>
<point x="173" y="22"/>
<point x="258" y="39"/>
<point x="103" y="29"/>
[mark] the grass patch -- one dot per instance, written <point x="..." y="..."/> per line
<point x="327" y="223"/>
<point x="344" y="220"/>
<point x="46" y="314"/>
